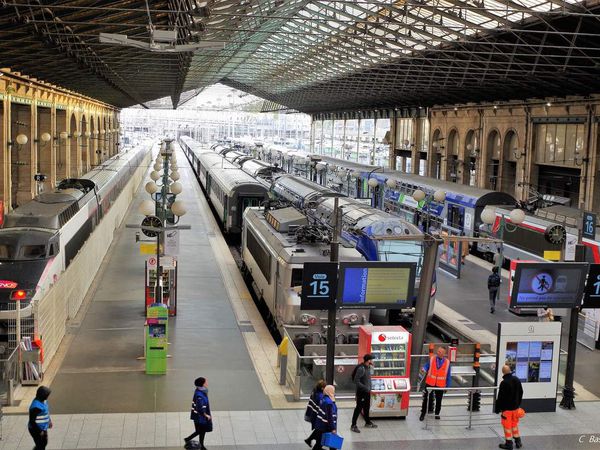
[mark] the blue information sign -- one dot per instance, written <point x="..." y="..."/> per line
<point x="589" y="225"/>
<point x="319" y="286"/>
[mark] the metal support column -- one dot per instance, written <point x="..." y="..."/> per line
<point x="431" y="244"/>
<point x="331" y="316"/>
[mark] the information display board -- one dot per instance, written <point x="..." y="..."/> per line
<point x="555" y="285"/>
<point x="589" y="225"/>
<point x="376" y="284"/>
<point x="319" y="286"/>
<point x="591" y="299"/>
<point x="532" y="351"/>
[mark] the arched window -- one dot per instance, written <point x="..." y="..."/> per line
<point x="452" y="157"/>
<point x="492" y="159"/>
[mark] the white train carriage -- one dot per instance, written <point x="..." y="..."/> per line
<point x="274" y="255"/>
<point x="41" y="237"/>
<point x="231" y="191"/>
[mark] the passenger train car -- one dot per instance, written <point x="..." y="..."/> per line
<point x="275" y="246"/>
<point x="536" y="235"/>
<point x="41" y="237"/>
<point x="461" y="210"/>
<point x="229" y="189"/>
<point x="369" y="230"/>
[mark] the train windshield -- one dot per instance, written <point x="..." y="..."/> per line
<point x="24" y="252"/>
<point x="401" y="251"/>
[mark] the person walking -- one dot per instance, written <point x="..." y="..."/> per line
<point x="437" y="374"/>
<point x="493" y="285"/>
<point x="362" y="379"/>
<point x="326" y="416"/>
<point x="312" y="408"/>
<point x="39" y="418"/>
<point x="200" y="414"/>
<point x="507" y="405"/>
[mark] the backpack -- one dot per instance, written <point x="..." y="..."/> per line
<point x="354" y="371"/>
<point x="494" y="280"/>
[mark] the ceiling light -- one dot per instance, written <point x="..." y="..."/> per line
<point x="161" y="41"/>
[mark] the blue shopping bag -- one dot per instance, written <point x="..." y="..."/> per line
<point x="332" y="440"/>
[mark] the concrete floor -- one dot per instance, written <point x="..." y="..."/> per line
<point x="101" y="373"/>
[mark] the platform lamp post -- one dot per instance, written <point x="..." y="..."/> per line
<point x="420" y="196"/>
<point x="157" y="209"/>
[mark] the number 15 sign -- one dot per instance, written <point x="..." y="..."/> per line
<point x="319" y="286"/>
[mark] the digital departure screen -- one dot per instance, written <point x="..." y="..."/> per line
<point x="557" y="285"/>
<point x="531" y="361"/>
<point x="376" y="285"/>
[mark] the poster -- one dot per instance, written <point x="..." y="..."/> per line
<point x="530" y="360"/>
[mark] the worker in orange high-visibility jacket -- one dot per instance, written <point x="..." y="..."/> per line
<point x="437" y="374"/>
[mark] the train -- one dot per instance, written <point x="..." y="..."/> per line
<point x="532" y="239"/>
<point x="460" y="213"/>
<point x="40" y="238"/>
<point x="229" y="189"/>
<point x="275" y="246"/>
<point x="269" y="252"/>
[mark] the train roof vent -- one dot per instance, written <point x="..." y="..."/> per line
<point x="282" y="219"/>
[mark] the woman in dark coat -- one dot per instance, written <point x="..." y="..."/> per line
<point x="312" y="408"/>
<point x="326" y="416"/>
<point x="200" y="413"/>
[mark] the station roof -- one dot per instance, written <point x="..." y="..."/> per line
<point x="312" y="56"/>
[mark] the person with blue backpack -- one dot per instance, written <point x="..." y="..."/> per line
<point x="200" y="414"/>
<point x="326" y="416"/>
<point x="39" y="418"/>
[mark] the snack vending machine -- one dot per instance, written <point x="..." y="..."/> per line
<point x="390" y="380"/>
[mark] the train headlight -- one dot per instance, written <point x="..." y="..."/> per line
<point x="308" y="319"/>
<point x="350" y="319"/>
<point x="21" y="294"/>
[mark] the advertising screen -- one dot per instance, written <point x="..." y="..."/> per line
<point x="531" y="361"/>
<point x="558" y="285"/>
<point x="376" y="285"/>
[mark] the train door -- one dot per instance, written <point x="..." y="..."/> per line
<point x="456" y="216"/>
<point x="246" y="202"/>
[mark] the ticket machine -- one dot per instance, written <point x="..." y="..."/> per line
<point x="157" y="327"/>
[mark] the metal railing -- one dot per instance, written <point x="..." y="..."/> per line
<point x="474" y="417"/>
<point x="9" y="375"/>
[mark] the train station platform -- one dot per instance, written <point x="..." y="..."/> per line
<point x="99" y="370"/>
<point x="286" y="429"/>
<point x="463" y="303"/>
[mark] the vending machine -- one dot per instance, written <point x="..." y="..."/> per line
<point x="390" y="380"/>
<point x="157" y="339"/>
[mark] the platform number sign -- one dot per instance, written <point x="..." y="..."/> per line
<point x="319" y="286"/>
<point x="589" y="225"/>
<point x="591" y="298"/>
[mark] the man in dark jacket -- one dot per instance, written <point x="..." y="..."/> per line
<point x="362" y="380"/>
<point x="493" y="285"/>
<point x="508" y="402"/>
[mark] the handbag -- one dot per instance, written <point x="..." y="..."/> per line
<point x="520" y="413"/>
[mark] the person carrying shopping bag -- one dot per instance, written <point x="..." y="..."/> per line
<point x="326" y="416"/>
<point x="312" y="408"/>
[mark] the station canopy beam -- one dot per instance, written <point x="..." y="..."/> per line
<point x="311" y="55"/>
